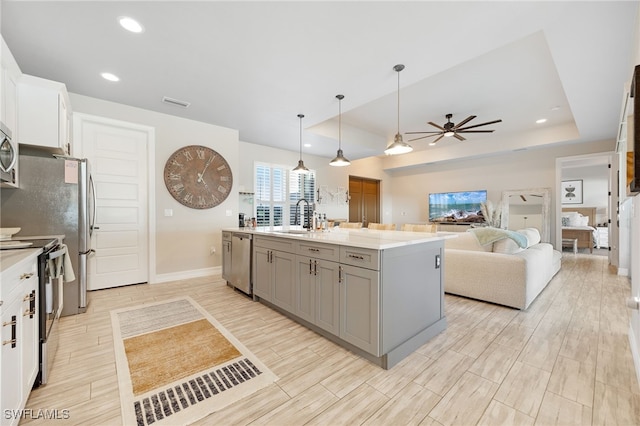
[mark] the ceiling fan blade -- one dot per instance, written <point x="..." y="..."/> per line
<point x="417" y="133"/>
<point x="436" y="141"/>
<point x="463" y="122"/>
<point x="481" y="124"/>
<point x="423" y="137"/>
<point x="437" y="125"/>
<point x="475" y="131"/>
<point x="460" y="138"/>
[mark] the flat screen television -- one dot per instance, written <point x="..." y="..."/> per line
<point x="457" y="207"/>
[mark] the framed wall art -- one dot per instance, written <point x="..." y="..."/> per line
<point x="572" y="191"/>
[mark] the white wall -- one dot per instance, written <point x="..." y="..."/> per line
<point x="326" y="175"/>
<point x="634" y="326"/>
<point x="511" y="171"/>
<point x="595" y="188"/>
<point x="183" y="240"/>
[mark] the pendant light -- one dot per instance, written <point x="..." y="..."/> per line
<point x="300" y="168"/>
<point x="340" y="161"/>
<point x="398" y="146"/>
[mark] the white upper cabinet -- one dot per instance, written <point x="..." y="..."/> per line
<point x="9" y="75"/>
<point x="44" y="114"/>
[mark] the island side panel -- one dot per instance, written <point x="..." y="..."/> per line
<point x="412" y="293"/>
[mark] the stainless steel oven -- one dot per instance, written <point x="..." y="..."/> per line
<point x="50" y="302"/>
<point x="8" y="156"/>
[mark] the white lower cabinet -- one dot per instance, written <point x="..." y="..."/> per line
<point x="19" y="359"/>
<point x="11" y="374"/>
<point x="30" y="335"/>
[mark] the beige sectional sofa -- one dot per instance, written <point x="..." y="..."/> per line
<point x="500" y="272"/>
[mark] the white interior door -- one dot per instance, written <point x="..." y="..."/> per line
<point x="117" y="152"/>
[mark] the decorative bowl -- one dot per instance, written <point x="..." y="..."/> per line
<point x="7" y="233"/>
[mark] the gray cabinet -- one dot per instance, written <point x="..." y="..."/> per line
<point x="337" y="297"/>
<point x="327" y="293"/>
<point x="380" y="303"/>
<point x="359" y="307"/>
<point x="262" y="271"/>
<point x="226" y="256"/>
<point x="274" y="271"/>
<point x="317" y="292"/>
<point x="283" y="269"/>
<point x="305" y="282"/>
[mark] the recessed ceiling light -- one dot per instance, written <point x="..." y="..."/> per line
<point x="307" y="145"/>
<point x="109" y="76"/>
<point x="542" y="120"/>
<point x="130" y="24"/>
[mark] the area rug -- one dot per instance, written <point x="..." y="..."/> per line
<point x="177" y="364"/>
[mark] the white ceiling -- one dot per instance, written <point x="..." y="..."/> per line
<point x="253" y="66"/>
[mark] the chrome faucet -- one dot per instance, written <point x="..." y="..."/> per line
<point x="308" y="224"/>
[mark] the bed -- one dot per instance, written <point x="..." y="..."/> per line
<point x="577" y="224"/>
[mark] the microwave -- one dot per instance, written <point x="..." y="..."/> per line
<point x="8" y="157"/>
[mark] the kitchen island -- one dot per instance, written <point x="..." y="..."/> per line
<point x="379" y="294"/>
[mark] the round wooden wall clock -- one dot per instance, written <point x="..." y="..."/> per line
<point x="198" y="177"/>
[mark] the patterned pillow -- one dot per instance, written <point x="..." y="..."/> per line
<point x="565" y="221"/>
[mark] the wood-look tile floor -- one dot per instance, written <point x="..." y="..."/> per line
<point x="565" y="360"/>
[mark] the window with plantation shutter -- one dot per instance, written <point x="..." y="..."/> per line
<point x="277" y="190"/>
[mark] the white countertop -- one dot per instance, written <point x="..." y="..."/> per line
<point x="364" y="238"/>
<point x="10" y="258"/>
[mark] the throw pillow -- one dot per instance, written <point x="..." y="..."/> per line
<point x="506" y="246"/>
<point x="532" y="234"/>
<point x="565" y="221"/>
<point x="583" y="221"/>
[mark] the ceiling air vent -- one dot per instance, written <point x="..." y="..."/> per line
<point x="176" y="102"/>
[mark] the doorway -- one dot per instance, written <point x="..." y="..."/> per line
<point x="119" y="154"/>
<point x="597" y="176"/>
<point x="364" y="200"/>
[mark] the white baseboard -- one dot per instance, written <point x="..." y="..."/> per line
<point x="185" y="275"/>
<point x="623" y="272"/>
<point x="635" y="353"/>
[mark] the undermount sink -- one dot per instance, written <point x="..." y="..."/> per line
<point x="293" y="231"/>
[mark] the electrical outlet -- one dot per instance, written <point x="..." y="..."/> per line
<point x="212" y="250"/>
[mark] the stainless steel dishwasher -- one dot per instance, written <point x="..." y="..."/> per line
<point x="241" y="248"/>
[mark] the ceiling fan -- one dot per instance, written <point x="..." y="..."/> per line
<point x="452" y="129"/>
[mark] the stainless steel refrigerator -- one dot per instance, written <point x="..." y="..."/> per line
<point x="56" y="197"/>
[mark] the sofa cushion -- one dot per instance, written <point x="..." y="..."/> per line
<point x="466" y="241"/>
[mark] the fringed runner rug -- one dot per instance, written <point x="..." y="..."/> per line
<point x="177" y="364"/>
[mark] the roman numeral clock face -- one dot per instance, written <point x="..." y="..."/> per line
<point x="198" y="177"/>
